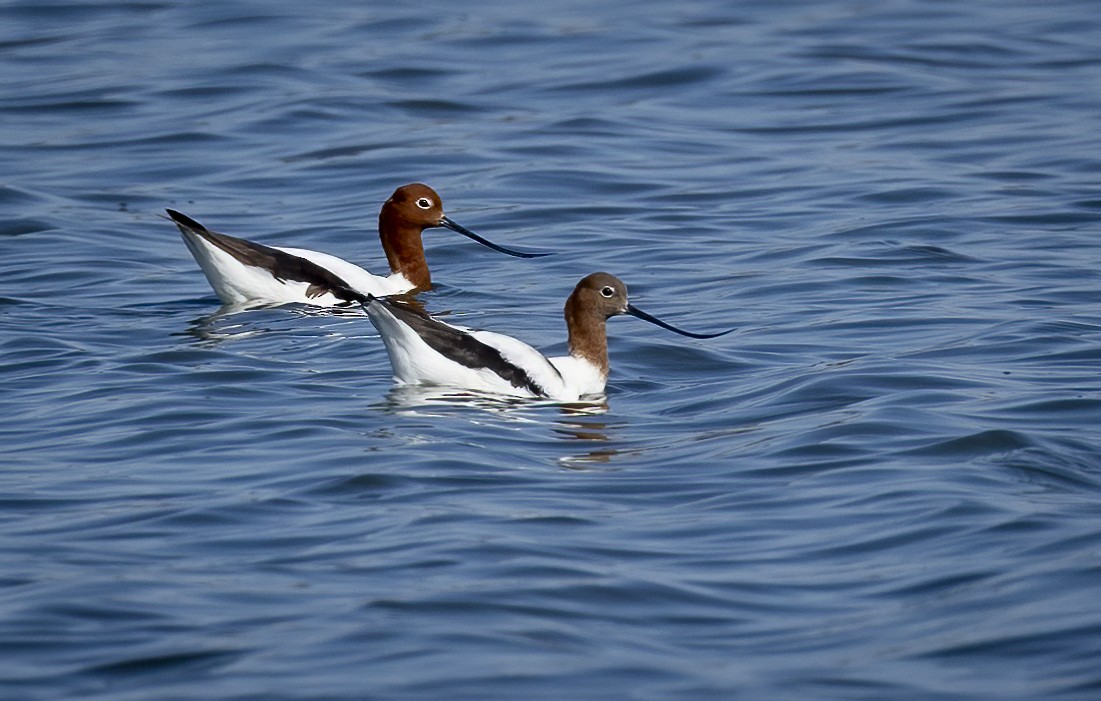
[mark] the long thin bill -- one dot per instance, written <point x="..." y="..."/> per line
<point x="486" y="242"/>
<point x="638" y="313"/>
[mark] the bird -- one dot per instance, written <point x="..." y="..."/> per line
<point x="245" y="273"/>
<point x="426" y="351"/>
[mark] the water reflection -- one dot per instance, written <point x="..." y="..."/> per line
<point x="582" y="427"/>
<point x="581" y="424"/>
<point x="217" y="327"/>
<point x="416" y="399"/>
<point x="578" y="424"/>
<point x="229" y="323"/>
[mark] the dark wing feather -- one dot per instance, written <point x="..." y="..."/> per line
<point x="282" y="265"/>
<point x="464" y="349"/>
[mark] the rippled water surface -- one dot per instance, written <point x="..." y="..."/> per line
<point x="885" y="485"/>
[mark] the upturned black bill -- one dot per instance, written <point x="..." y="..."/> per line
<point x="638" y="313"/>
<point x="446" y="222"/>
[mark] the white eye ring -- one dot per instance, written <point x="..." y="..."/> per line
<point x="424" y="203"/>
<point x="607" y="291"/>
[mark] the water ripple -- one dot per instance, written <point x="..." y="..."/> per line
<point x="882" y="486"/>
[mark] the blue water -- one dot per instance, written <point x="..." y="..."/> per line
<point x="885" y="485"/>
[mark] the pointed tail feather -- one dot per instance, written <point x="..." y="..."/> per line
<point x="184" y="220"/>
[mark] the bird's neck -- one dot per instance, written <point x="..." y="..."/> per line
<point x="404" y="250"/>
<point x="588" y="339"/>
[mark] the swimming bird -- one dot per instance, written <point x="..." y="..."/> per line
<point x="425" y="350"/>
<point x="244" y="272"/>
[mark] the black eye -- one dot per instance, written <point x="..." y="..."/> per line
<point x="607" y="291"/>
<point x="424" y="203"/>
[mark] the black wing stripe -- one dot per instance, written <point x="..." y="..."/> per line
<point x="283" y="266"/>
<point x="461" y="347"/>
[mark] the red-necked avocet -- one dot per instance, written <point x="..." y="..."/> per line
<point x="244" y="272"/>
<point x="425" y="350"/>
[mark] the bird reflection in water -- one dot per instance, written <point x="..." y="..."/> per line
<point x="229" y="323"/>
<point x="422" y="399"/>
<point x="222" y="326"/>
<point x="577" y="423"/>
